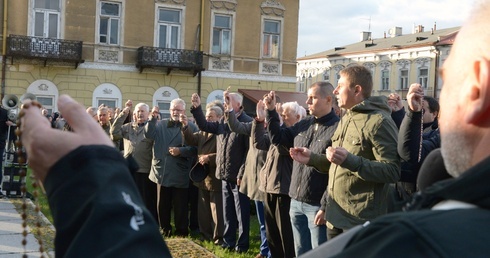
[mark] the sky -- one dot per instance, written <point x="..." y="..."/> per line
<point x="326" y="24"/>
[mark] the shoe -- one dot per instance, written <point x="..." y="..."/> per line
<point x="165" y="233"/>
<point x="240" y="250"/>
<point x="227" y="247"/>
<point x="218" y="242"/>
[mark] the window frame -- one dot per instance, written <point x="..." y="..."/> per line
<point x="326" y="75"/>
<point x="164" y="112"/>
<point x="423" y="79"/>
<point x="49" y="107"/>
<point x="46" y="12"/>
<point x="385" y="80"/>
<point x="111" y="18"/>
<point x="221" y="40"/>
<point x="404" y="79"/>
<point x="169" y="26"/>
<point x="266" y="45"/>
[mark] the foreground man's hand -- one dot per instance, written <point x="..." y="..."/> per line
<point x="45" y="145"/>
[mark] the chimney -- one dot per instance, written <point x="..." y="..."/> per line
<point x="395" y="32"/>
<point x="419" y="29"/>
<point x="434" y="26"/>
<point x="365" y="35"/>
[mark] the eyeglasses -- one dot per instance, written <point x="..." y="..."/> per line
<point x="176" y="110"/>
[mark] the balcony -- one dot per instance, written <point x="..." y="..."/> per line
<point x="45" y="49"/>
<point x="185" y="60"/>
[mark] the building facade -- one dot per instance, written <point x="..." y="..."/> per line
<point x="152" y="51"/>
<point x="395" y="60"/>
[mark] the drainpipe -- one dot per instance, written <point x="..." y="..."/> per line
<point x="201" y="33"/>
<point x="4" y="48"/>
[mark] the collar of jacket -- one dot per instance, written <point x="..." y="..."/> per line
<point x="328" y="119"/>
<point x="172" y="123"/>
<point x="470" y="187"/>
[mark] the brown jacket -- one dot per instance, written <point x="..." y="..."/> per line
<point x="206" y="144"/>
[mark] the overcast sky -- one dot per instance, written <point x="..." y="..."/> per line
<point x="325" y="24"/>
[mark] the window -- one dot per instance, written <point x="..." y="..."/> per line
<point x="169" y="23"/>
<point x="46" y="18"/>
<point x="164" y="109"/>
<point x="424" y="77"/>
<point x="108" y="102"/>
<point x="222" y="35"/>
<point x="404" y="79"/>
<point x="271" y="39"/>
<point x="326" y="75"/>
<point x="109" y="25"/>
<point x="47" y="102"/>
<point x="385" y="79"/>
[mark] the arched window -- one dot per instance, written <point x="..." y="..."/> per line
<point x="46" y="93"/>
<point x="162" y="98"/>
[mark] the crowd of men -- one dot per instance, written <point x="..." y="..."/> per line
<point x="326" y="176"/>
<point x="311" y="177"/>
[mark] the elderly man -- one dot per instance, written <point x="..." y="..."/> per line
<point x="138" y="147"/>
<point x="210" y="200"/>
<point x="232" y="149"/>
<point x="172" y="161"/>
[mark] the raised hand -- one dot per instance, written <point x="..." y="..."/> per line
<point x="270" y="100"/>
<point x="395" y="102"/>
<point x="414" y="97"/>
<point x="195" y="100"/>
<point x="260" y="110"/>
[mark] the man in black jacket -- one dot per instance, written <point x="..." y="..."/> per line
<point x="307" y="184"/>
<point x="450" y="217"/>
<point x="231" y="153"/>
<point x="96" y="207"/>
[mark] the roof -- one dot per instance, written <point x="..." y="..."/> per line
<point x="285" y="96"/>
<point x="448" y="39"/>
<point x="420" y="39"/>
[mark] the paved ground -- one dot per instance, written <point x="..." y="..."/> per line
<point x="11" y="234"/>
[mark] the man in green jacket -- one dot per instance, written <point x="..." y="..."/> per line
<point x="363" y="154"/>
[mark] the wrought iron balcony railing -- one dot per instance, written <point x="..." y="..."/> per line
<point x="187" y="60"/>
<point x="45" y="48"/>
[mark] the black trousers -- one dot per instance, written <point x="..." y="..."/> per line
<point x="278" y="225"/>
<point x="148" y="191"/>
<point x="177" y="199"/>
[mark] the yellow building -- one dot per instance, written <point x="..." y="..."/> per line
<point x="152" y="51"/>
<point x="396" y="60"/>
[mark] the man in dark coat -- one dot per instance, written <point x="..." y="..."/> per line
<point x="307" y="184"/>
<point x="232" y="150"/>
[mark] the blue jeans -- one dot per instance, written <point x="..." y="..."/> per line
<point x="264" y="247"/>
<point x="306" y="234"/>
<point x="236" y="211"/>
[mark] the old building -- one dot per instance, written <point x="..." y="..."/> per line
<point x="396" y="60"/>
<point x="152" y="51"/>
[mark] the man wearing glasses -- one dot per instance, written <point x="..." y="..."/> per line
<point x="171" y="163"/>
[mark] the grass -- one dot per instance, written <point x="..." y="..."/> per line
<point x="179" y="247"/>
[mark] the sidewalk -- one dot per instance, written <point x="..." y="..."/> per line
<point x="11" y="234"/>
